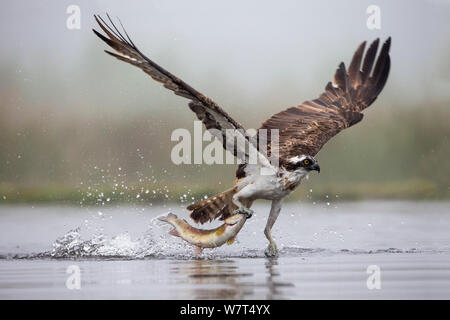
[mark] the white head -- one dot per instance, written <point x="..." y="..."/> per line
<point x="302" y="164"/>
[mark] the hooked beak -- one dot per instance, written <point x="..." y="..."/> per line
<point x="315" y="167"/>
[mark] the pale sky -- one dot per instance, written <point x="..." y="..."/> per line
<point x="230" y="50"/>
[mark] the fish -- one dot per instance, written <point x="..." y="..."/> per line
<point x="202" y="238"/>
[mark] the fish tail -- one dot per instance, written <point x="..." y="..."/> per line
<point x="220" y="205"/>
<point x="168" y="217"/>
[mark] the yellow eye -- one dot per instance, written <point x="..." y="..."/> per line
<point x="306" y="162"/>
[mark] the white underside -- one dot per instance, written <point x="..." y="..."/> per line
<point x="269" y="187"/>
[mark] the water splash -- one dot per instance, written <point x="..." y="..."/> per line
<point x="153" y="244"/>
<point x="122" y="247"/>
<point x="90" y="241"/>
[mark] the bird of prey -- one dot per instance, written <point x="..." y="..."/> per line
<point x="302" y="130"/>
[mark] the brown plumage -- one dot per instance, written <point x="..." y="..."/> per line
<point x="303" y="130"/>
<point x="214" y="207"/>
<point x="306" y="128"/>
<point x="212" y="116"/>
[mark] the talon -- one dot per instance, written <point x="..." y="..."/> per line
<point x="271" y="251"/>
<point x="244" y="210"/>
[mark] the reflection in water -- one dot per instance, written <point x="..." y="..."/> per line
<point x="271" y="284"/>
<point x="226" y="279"/>
<point x="211" y="279"/>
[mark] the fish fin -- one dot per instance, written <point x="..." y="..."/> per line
<point x="174" y="232"/>
<point x="221" y="230"/>
<point x="198" y="250"/>
<point x="166" y="218"/>
<point x="231" y="240"/>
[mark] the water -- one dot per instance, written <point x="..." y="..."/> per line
<point x="125" y="253"/>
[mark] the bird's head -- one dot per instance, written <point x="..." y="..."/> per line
<point x="302" y="163"/>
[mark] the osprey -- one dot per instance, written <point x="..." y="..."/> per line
<point x="303" y="130"/>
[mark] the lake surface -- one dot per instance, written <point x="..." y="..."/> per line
<point x="357" y="250"/>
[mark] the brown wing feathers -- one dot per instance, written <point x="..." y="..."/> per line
<point x="131" y="54"/>
<point x="206" y="110"/>
<point x="302" y="130"/>
<point x="306" y="128"/>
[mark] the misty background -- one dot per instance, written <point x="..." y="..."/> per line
<point x="79" y="126"/>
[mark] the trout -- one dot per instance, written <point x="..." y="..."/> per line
<point x="206" y="238"/>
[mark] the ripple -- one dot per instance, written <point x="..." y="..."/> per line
<point x="89" y="250"/>
<point x="155" y="243"/>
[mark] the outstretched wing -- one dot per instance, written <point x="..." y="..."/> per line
<point x="306" y="128"/>
<point x="212" y="116"/>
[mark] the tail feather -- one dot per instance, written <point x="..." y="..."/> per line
<point x="220" y="205"/>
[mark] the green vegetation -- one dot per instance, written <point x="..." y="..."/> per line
<point x="80" y="144"/>
<point x="410" y="190"/>
<point x="398" y="155"/>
